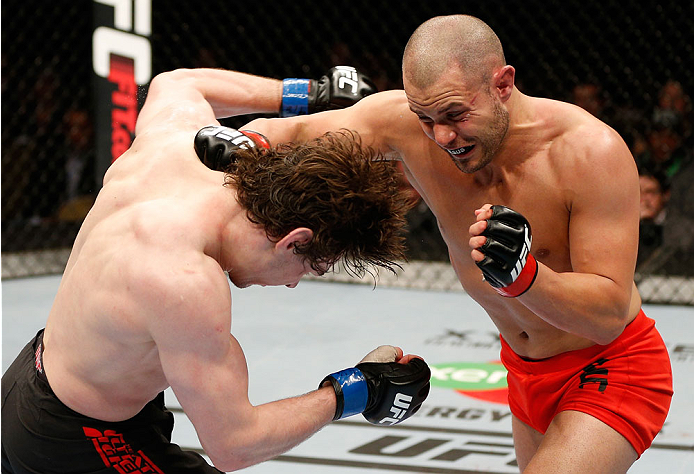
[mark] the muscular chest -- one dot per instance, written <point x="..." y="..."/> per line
<point x="531" y="189"/>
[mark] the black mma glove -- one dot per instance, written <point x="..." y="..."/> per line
<point x="216" y="146"/>
<point x="385" y="392"/>
<point x="508" y="264"/>
<point x="341" y="87"/>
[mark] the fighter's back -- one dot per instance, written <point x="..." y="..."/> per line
<point x="99" y="355"/>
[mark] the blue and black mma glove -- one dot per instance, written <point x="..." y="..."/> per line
<point x="216" y="146"/>
<point x="508" y="266"/>
<point x="385" y="393"/>
<point x="341" y="87"/>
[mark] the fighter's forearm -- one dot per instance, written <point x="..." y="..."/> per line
<point x="284" y="130"/>
<point x="275" y="428"/>
<point x="233" y="93"/>
<point x="201" y="95"/>
<point x="587" y="305"/>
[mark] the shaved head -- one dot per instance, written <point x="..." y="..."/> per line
<point x="455" y="40"/>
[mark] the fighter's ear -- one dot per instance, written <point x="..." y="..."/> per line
<point x="504" y="79"/>
<point x="296" y="237"/>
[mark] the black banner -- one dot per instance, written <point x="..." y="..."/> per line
<point x="122" y="63"/>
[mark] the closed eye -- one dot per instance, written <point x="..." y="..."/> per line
<point x="458" y="116"/>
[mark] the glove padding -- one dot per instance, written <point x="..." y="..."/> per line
<point x="385" y="392"/>
<point x="216" y="146"/>
<point x="341" y="87"/>
<point x="508" y="266"/>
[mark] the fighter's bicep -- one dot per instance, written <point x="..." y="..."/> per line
<point x="205" y="365"/>
<point x="368" y="118"/>
<point x="603" y="227"/>
<point x="187" y="310"/>
<point x="169" y="104"/>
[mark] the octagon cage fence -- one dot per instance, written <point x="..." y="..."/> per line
<point x="624" y="61"/>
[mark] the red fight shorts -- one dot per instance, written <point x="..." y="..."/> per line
<point x="626" y="384"/>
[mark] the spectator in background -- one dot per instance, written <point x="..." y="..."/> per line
<point x="665" y="146"/>
<point x="588" y="96"/>
<point x="628" y="121"/>
<point x="669" y="145"/>
<point x="666" y="240"/>
<point x="674" y="106"/>
<point x="80" y="179"/>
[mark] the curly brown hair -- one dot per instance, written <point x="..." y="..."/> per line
<point x="346" y="193"/>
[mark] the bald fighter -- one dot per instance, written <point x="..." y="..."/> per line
<point x="144" y="303"/>
<point x="538" y="202"/>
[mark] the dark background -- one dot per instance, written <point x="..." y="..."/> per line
<point x="626" y="49"/>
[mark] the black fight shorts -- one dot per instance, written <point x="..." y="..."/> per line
<point x="41" y="435"/>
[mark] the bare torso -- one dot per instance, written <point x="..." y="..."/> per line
<point x="100" y="357"/>
<point x="537" y="179"/>
<point x="535" y="184"/>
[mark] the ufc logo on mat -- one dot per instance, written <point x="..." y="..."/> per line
<point x="399" y="408"/>
<point x="348" y="77"/>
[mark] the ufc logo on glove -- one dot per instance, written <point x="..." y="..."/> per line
<point x="348" y="76"/>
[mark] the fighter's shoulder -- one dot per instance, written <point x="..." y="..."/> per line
<point x="581" y="134"/>
<point x="395" y="100"/>
<point x="154" y="152"/>
<point x="388" y="113"/>
<point x="174" y="269"/>
<point x="393" y="96"/>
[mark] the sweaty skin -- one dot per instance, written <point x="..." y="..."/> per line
<point x="144" y="302"/>
<point x="569" y="174"/>
<point x="469" y="139"/>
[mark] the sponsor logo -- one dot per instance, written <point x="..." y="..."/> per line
<point x="122" y="54"/>
<point x="348" y="77"/>
<point x="442" y="450"/>
<point x="484" y="381"/>
<point x="117" y="454"/>
<point x="466" y="338"/>
<point x="523" y="255"/>
<point x="399" y="409"/>
<point x="38" y="358"/>
<point x="681" y="352"/>
<point x="593" y="369"/>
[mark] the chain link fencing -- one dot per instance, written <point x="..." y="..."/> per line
<point x="624" y="61"/>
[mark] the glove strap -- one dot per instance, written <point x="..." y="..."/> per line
<point x="524" y="281"/>
<point x="295" y="97"/>
<point x="351" y="391"/>
<point x="260" y="140"/>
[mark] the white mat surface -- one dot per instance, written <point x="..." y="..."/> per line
<point x="293" y="337"/>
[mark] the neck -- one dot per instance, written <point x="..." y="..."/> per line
<point x="226" y="222"/>
<point x="521" y="124"/>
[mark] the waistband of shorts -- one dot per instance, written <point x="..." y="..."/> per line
<point x="639" y="325"/>
<point x="152" y="409"/>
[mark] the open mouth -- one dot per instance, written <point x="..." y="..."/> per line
<point x="461" y="152"/>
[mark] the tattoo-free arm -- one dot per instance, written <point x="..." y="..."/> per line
<point x="206" y="368"/>
<point x="200" y="96"/>
<point x="595" y="300"/>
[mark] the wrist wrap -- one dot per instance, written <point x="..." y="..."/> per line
<point x="351" y="392"/>
<point x="523" y="282"/>
<point x="295" y="97"/>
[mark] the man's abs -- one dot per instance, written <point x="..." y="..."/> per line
<point x="529" y="335"/>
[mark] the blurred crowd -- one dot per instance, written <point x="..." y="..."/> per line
<point x="660" y="139"/>
<point x="55" y="151"/>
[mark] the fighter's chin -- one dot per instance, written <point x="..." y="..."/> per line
<point x="471" y="162"/>
<point x="237" y="283"/>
